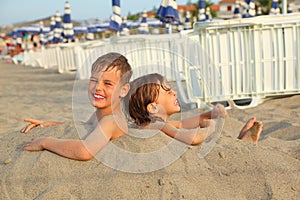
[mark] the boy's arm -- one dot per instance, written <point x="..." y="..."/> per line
<point x="76" y="149"/>
<point x="34" y="123"/>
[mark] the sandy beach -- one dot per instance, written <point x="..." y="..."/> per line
<point x="232" y="170"/>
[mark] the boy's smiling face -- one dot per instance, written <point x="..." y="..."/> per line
<point x="104" y="89"/>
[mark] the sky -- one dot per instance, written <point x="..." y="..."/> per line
<point x="16" y="11"/>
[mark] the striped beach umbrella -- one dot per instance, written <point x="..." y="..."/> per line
<point x="50" y="35"/>
<point x="289" y="10"/>
<point x="251" y="8"/>
<point x="187" y="22"/>
<point x="41" y="34"/>
<point x="274" y="8"/>
<point x="68" y="31"/>
<point x="116" y="20"/>
<point x="167" y="11"/>
<point x="124" y="27"/>
<point x="57" y="29"/>
<point x="207" y="14"/>
<point x="259" y="12"/>
<point x="143" y="28"/>
<point x="245" y="7"/>
<point x="237" y="12"/>
<point x="201" y="11"/>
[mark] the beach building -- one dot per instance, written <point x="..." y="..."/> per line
<point x="226" y="9"/>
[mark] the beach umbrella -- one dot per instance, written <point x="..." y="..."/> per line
<point x="201" y="11"/>
<point x="143" y="28"/>
<point x="116" y="20"/>
<point x="124" y="27"/>
<point x="18" y="37"/>
<point x="80" y="29"/>
<point x="57" y="29"/>
<point x="50" y="35"/>
<point x="41" y="34"/>
<point x="207" y="14"/>
<point x="259" y="11"/>
<point x="289" y="10"/>
<point x="236" y="12"/>
<point x="168" y="13"/>
<point x="187" y="22"/>
<point x="68" y="31"/>
<point x="274" y="8"/>
<point x="90" y="34"/>
<point x="251" y="8"/>
<point x="245" y="7"/>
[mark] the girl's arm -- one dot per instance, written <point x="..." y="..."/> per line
<point x="188" y="136"/>
<point x="203" y="120"/>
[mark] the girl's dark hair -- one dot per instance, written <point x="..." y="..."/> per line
<point x="143" y="91"/>
<point x="112" y="60"/>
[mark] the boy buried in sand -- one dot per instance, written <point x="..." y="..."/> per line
<point x="107" y="87"/>
<point x="151" y="100"/>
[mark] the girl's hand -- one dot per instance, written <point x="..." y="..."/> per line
<point x="34" y="123"/>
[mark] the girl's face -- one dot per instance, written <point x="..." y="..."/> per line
<point x="167" y="100"/>
<point x="104" y="89"/>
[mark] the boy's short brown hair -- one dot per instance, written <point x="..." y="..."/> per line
<point x="111" y="60"/>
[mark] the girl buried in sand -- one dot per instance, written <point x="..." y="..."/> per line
<point x="151" y="102"/>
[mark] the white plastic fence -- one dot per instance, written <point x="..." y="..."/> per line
<point x="247" y="58"/>
<point x="233" y="59"/>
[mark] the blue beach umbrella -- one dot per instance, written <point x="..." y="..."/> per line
<point x="80" y="29"/>
<point x="251" y="8"/>
<point x="237" y="12"/>
<point x="258" y="11"/>
<point x="187" y="22"/>
<point x="124" y="27"/>
<point x="245" y="7"/>
<point x="68" y="31"/>
<point x="143" y="28"/>
<point x="207" y="14"/>
<point x="168" y="13"/>
<point x="41" y="34"/>
<point x="50" y="35"/>
<point x="201" y="11"/>
<point x="289" y="10"/>
<point x="116" y="20"/>
<point x="274" y="8"/>
<point x="57" y="29"/>
<point x="90" y="34"/>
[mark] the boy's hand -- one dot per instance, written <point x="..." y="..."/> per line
<point x="35" y="145"/>
<point x="219" y="111"/>
<point x="34" y="123"/>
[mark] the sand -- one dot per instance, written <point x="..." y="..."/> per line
<point x="231" y="170"/>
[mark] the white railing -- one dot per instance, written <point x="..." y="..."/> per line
<point x="233" y="59"/>
<point x="247" y="58"/>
